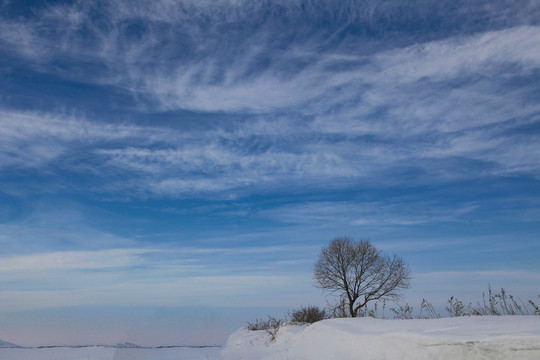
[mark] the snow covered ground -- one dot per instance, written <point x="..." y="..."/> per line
<point x="485" y="337"/>
<point x="108" y="353"/>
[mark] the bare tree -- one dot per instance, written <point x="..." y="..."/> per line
<point x="359" y="273"/>
<point x="307" y="314"/>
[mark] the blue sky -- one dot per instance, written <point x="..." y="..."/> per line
<point x="171" y="169"/>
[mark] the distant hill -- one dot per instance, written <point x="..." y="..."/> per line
<point x="5" y="344"/>
<point x="127" y="345"/>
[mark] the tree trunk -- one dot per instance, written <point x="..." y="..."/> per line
<point x="351" y="309"/>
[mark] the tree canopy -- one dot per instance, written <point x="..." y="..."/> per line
<point x="359" y="273"/>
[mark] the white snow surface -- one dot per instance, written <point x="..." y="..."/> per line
<point x="108" y="353"/>
<point x="481" y="337"/>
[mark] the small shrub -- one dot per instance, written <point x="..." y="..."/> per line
<point x="309" y="315"/>
<point x="493" y="303"/>
<point x="338" y="310"/>
<point x="427" y="311"/>
<point x="260" y="324"/>
<point x="501" y="303"/>
<point x="373" y="311"/>
<point x="456" y="308"/>
<point x="403" y="312"/>
<point x="535" y="307"/>
<point x="271" y="326"/>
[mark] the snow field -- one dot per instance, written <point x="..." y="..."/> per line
<point x="486" y="337"/>
<point x="105" y="353"/>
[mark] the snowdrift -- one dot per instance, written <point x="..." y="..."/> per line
<point x="481" y="337"/>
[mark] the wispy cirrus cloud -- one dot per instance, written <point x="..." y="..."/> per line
<point x="371" y="213"/>
<point x="221" y="68"/>
<point x="47" y="136"/>
<point x="370" y="80"/>
<point x="330" y="108"/>
<point x="172" y="276"/>
<point x="408" y="91"/>
<point x="70" y="260"/>
<point x="175" y="162"/>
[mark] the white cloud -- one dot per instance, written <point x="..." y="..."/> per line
<point x="370" y="213"/>
<point x="460" y="56"/>
<point x="166" y="276"/>
<point x="74" y="260"/>
<point x="373" y="84"/>
<point x="218" y="77"/>
<point x="268" y="91"/>
<point x="169" y="162"/>
<point x="32" y="139"/>
<point x="185" y="291"/>
<point x="22" y="38"/>
<point x="339" y="125"/>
